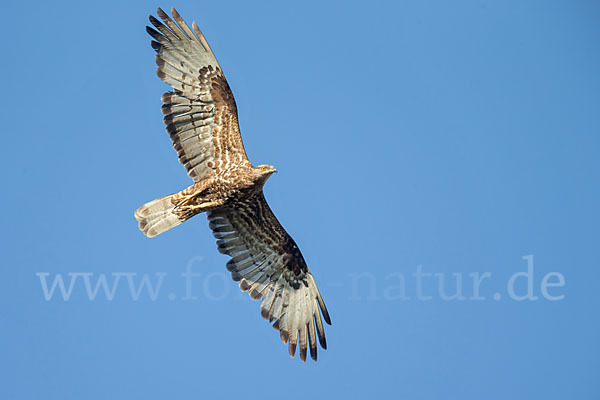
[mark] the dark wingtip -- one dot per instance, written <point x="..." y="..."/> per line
<point x="155" y="45"/>
<point x="172" y="129"/>
<point x="323" y="341"/>
<point x="255" y="294"/>
<point x="264" y="313"/>
<point x="284" y="335"/>
<point x="166" y="97"/>
<point x="154" y="21"/>
<point x="161" y="13"/>
<point x="303" y="353"/>
<point x="151" y="31"/>
<point x="244" y="286"/>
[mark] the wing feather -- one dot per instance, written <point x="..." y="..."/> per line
<point x="269" y="265"/>
<point x="200" y="114"/>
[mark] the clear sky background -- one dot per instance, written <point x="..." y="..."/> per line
<point x="455" y="136"/>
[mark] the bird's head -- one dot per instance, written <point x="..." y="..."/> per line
<point x="264" y="171"/>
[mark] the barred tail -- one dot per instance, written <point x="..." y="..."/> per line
<point x="157" y="216"/>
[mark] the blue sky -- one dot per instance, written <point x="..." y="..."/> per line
<point x="450" y="138"/>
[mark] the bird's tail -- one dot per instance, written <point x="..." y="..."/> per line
<point x="158" y="216"/>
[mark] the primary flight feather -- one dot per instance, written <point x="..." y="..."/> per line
<point x="201" y="119"/>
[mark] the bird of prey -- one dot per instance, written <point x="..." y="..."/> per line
<point x="202" y="121"/>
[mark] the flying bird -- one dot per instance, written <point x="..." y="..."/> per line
<point x="201" y="119"/>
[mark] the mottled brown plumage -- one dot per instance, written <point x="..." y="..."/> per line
<point x="202" y="121"/>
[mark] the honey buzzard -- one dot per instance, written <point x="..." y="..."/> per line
<point x="202" y="121"/>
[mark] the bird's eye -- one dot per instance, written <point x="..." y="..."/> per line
<point x="264" y="168"/>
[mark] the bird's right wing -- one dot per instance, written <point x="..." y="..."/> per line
<point x="200" y="114"/>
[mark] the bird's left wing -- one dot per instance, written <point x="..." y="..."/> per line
<point x="269" y="265"/>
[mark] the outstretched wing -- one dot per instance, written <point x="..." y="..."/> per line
<point x="269" y="265"/>
<point x="200" y="114"/>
